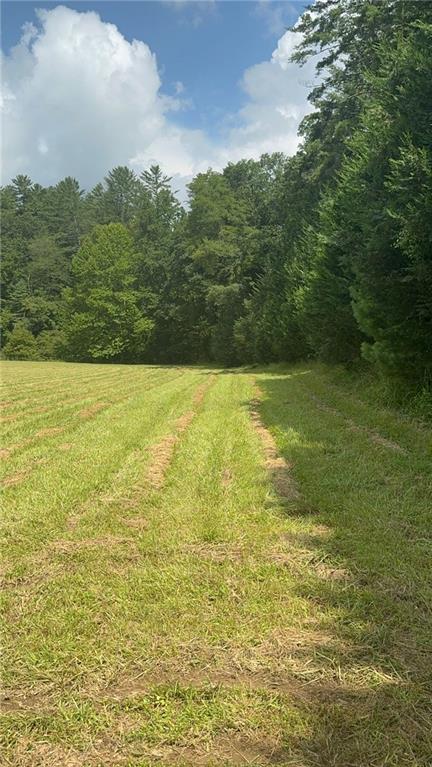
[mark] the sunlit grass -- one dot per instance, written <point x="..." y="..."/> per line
<point x="206" y="620"/>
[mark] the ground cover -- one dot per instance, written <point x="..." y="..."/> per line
<point x="209" y="567"/>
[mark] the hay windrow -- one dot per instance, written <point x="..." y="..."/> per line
<point x="49" y="432"/>
<point x="162" y="453"/>
<point x="89" y="412"/>
<point x="277" y="466"/>
<point x="67" y="546"/>
<point x="15" y="479"/>
<point x="161" y="456"/>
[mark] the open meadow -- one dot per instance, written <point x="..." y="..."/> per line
<point x="212" y="567"/>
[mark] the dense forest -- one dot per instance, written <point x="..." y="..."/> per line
<point x="326" y="254"/>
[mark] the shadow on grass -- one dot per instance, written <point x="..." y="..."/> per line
<point x="369" y="691"/>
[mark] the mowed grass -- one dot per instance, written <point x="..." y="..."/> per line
<point x="176" y="592"/>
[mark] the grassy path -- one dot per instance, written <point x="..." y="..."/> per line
<point x="198" y="571"/>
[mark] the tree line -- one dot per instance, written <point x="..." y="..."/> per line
<point x="326" y="254"/>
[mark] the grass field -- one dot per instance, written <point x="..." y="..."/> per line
<point x="207" y="567"/>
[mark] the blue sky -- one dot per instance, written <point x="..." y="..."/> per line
<point x="216" y="66"/>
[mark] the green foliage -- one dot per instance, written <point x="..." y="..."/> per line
<point x="50" y="345"/>
<point x="363" y="260"/>
<point x="323" y="297"/>
<point x="104" y="321"/>
<point x="21" y="344"/>
<point x="384" y="203"/>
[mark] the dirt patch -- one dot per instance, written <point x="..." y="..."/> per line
<point x="135" y="686"/>
<point x="20" y="445"/>
<point x="126" y="502"/>
<point x="264" y="665"/>
<point x="293" y="559"/>
<point x="278" y="468"/>
<point x="284" y="651"/>
<point x="90" y="411"/>
<point x="20" y="476"/>
<point x="302" y="552"/>
<point x="239" y="749"/>
<point x="41" y="569"/>
<point x="12" y="702"/>
<point x="329" y="573"/>
<point x="225" y="749"/>
<point x="321" y="405"/>
<point x="296" y="559"/>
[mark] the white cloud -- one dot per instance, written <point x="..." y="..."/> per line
<point x="82" y="91"/>
<point x="276" y="103"/>
<point x="79" y="99"/>
<point x="276" y="15"/>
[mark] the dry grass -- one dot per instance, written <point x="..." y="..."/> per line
<point x="162" y="453"/>
<point x="277" y="466"/>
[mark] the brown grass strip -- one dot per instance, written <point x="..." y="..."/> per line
<point x="67" y="546"/>
<point x="201" y="391"/>
<point x="216" y="552"/>
<point x="42" y="754"/>
<point x="49" y="432"/>
<point x="15" y="479"/>
<point x="161" y="456"/>
<point x="11" y="417"/>
<point x="278" y="468"/>
<point x="162" y="453"/>
<point x="90" y="411"/>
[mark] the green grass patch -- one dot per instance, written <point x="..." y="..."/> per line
<point x="205" y="619"/>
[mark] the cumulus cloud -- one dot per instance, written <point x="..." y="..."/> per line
<point x="276" y="103"/>
<point x="78" y="99"/>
